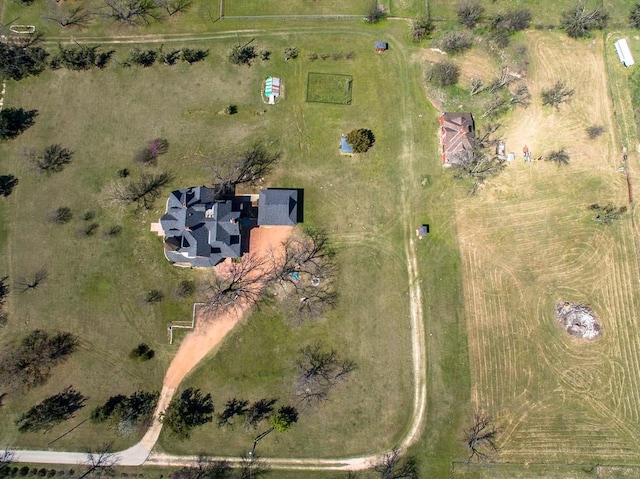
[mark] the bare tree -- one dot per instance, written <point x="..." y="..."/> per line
<point x="320" y="370"/>
<point x="101" y="462"/>
<point x="499" y="104"/>
<point x="375" y="14"/>
<point x="258" y="412"/>
<point x="252" y="467"/>
<point x="239" y="286"/>
<point x="173" y="7"/>
<point x="520" y="96"/>
<point x="311" y="254"/>
<point x="594" y="131"/>
<point x="476" y="86"/>
<point x="304" y="275"/>
<point x="132" y="12"/>
<point x="204" y="467"/>
<point x="481" y="437"/>
<point x="443" y="74"/>
<point x="70" y="16"/>
<point x="557" y="94"/>
<point x="496" y="106"/>
<point x="456" y="41"/>
<point x="143" y="192"/>
<point x="470" y="13"/>
<point x="314" y="303"/>
<point x="476" y="165"/>
<point x="233" y="407"/>
<point x="421" y="28"/>
<point x="51" y="159"/>
<point x="28" y="363"/>
<point x="32" y="282"/>
<point x="487" y="138"/>
<point x="250" y="167"/>
<point x="6" y="458"/>
<point x="504" y="80"/>
<point x="4" y="289"/>
<point x="559" y="157"/>
<point x="392" y="466"/>
<point x="511" y="21"/>
<point x="579" y="21"/>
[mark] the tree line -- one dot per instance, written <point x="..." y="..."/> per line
<point x="318" y="370"/>
<point x="29" y="362"/>
<point x="126" y="12"/>
<point x="579" y="21"/>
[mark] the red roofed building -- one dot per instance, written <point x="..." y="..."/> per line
<point x="456" y="135"/>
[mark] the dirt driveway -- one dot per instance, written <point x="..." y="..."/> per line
<point x="210" y="330"/>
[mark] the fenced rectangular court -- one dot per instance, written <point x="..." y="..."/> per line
<point x="329" y="88"/>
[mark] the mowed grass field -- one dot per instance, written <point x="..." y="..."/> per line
<point x="197" y="18"/>
<point x="296" y="7"/>
<point x="202" y="16"/>
<point x="97" y="284"/>
<point x="544" y="471"/>
<point x="357" y="200"/>
<point x="327" y="88"/>
<point x="528" y="240"/>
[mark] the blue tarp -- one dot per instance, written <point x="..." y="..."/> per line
<point x="345" y="147"/>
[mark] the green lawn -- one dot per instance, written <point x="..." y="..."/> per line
<point x="369" y="205"/>
<point x="202" y="16"/>
<point x="97" y="284"/>
<point x="295" y="7"/>
<point x="345" y="196"/>
<point x="327" y="88"/>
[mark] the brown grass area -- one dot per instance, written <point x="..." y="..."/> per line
<point x="473" y="64"/>
<point x="477" y="64"/>
<point x="528" y="240"/>
<point x="543" y="128"/>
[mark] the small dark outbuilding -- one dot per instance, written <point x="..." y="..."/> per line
<point x="382" y="47"/>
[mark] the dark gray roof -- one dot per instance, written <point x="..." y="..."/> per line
<point x="278" y="207"/>
<point x="200" y="229"/>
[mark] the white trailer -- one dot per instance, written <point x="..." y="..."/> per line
<point x="624" y="53"/>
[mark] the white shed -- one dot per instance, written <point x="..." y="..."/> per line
<point x="622" y="47"/>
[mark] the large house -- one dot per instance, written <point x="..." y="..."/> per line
<point x="457" y="132"/>
<point x="202" y="228"/>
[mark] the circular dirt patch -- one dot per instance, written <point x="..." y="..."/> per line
<point x="578" y="320"/>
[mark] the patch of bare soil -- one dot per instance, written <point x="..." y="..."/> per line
<point x="578" y="319"/>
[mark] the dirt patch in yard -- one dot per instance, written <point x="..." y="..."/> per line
<point x="578" y="319"/>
